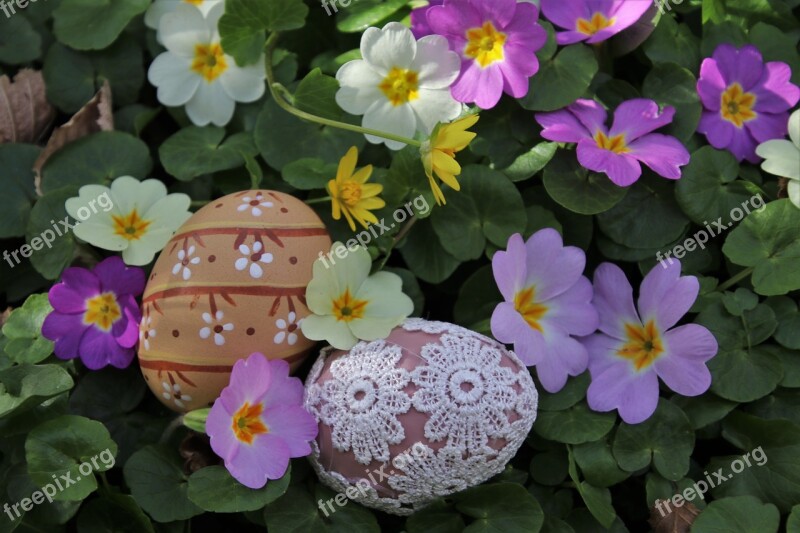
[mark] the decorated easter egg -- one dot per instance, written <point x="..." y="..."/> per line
<point x="230" y="282"/>
<point x="431" y="410"/>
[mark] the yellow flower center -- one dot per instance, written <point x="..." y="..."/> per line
<point x="598" y="22"/>
<point x="346" y="308"/>
<point x="209" y="61"/>
<point x="737" y="106"/>
<point x="400" y="86"/>
<point x="102" y="311"/>
<point x="247" y="422"/>
<point x="614" y="144"/>
<point x="130" y="226"/>
<point x="194" y="2"/>
<point x="485" y="44"/>
<point x="350" y="192"/>
<point x="644" y="345"/>
<point x="532" y="312"/>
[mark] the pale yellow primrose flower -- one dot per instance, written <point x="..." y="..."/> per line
<point x="136" y="218"/>
<point x="348" y="304"/>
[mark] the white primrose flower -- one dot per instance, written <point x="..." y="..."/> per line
<point x="782" y="157"/>
<point x="196" y="72"/>
<point x="139" y="222"/>
<point x="402" y="85"/>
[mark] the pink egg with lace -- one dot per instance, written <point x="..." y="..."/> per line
<point x="431" y="410"/>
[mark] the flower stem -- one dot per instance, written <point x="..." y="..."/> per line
<point x="736" y="279"/>
<point x="283" y="98"/>
<point x="402" y="233"/>
<point x="318" y="200"/>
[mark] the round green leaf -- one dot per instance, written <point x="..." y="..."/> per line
<point x="561" y="79"/>
<point x="488" y="208"/>
<point x="309" y="174"/>
<point x="214" y="489"/>
<point x="17" y="188"/>
<point x="743" y="375"/>
<point x="113" y="512"/>
<point x="25" y="386"/>
<point x="574" y="425"/>
<point x="577" y="189"/>
<point x="671" y="84"/>
<point x="98" y="158"/>
<point x="428" y="262"/>
<point x="708" y="190"/>
<point x="477" y="297"/>
<point x="62" y="447"/>
<point x="23" y="329"/>
<point x="739" y="514"/>
<point x="500" y="507"/>
<point x="769" y="241"/>
<point x="666" y="439"/>
<point x="194" y="151"/>
<point x="673" y="42"/>
<point x="94" y="24"/>
<point x="597" y="463"/>
<point x="158" y="484"/>
<point x="360" y="16"/>
<point x="44" y="224"/>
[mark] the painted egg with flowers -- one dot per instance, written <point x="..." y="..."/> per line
<point x="230" y="282"/>
<point x="429" y="411"/>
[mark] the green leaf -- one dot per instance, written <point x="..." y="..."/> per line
<point x="597" y="463"/>
<point x="406" y="179"/>
<point x="283" y="138"/>
<point x="745" y="375"/>
<point x="94" y="24"/>
<point x="44" y="225"/>
<point x="709" y="190"/>
<point x="17" y="189"/>
<point x="63" y="447"/>
<point x="574" y="425"/>
<point x="531" y="162"/>
<point x="788" y="332"/>
<point x="573" y="392"/>
<point x="673" y="42"/>
<point x="704" y="410"/>
<point x="19" y="41"/>
<point x="245" y="23"/>
<point x="194" y="151"/>
<point x="793" y="523"/>
<point x="488" y="208"/>
<point x="107" y="393"/>
<point x="577" y="189"/>
<point x="561" y="79"/>
<point x="360" y="16"/>
<point x="308" y="174"/>
<point x="769" y="241"/>
<point x="214" y="489"/>
<point x="740" y="301"/>
<point x="747" y="330"/>
<point x="782" y="404"/>
<point x="25" y="386"/>
<point x="659" y="488"/>
<point x="477" y="297"/>
<point x="158" y="484"/>
<point x="425" y="257"/>
<point x="24" y="331"/>
<point x="743" y="513"/>
<point x="666" y="439"/>
<point x="549" y="467"/>
<point x="98" y="158"/>
<point x="501" y="508"/>
<point x="113" y="512"/>
<point x="717" y="33"/>
<point x="435" y="518"/>
<point x="772" y="447"/>
<point x="298" y="510"/>
<point x="316" y="94"/>
<point x="597" y="500"/>
<point x="648" y="216"/>
<point x="73" y="78"/>
<point x="671" y="84"/>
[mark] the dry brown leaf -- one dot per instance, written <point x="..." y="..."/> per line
<point x="678" y="520"/>
<point x="25" y="113"/>
<point x="95" y="116"/>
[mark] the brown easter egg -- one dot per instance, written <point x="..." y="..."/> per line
<point x="429" y="411"/>
<point x="230" y="282"/>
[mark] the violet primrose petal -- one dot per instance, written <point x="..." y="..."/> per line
<point x="564" y="357"/>
<point x="665" y="296"/>
<point x="507" y="324"/>
<point x="452" y="21"/>
<point x="565" y="13"/>
<point x="710" y="85"/>
<point x="552" y="267"/>
<point x="767" y="127"/>
<point x="639" y="116"/>
<point x="218" y="427"/>
<point x="718" y="131"/>
<point x="688" y="378"/>
<point x="744" y="65"/>
<point x="484" y="86"/>
<point x="613" y="299"/>
<point x="283" y="389"/>
<point x="570" y="37"/>
<point x="634" y="395"/>
<point x="509" y="267"/>
<point x="572" y="310"/>
<point x="602" y="351"/>
<point x="562" y="126"/>
<point x="126" y="329"/>
<point x="115" y="275"/>
<point x="253" y="465"/>
<point x="775" y="93"/>
<point x="82" y="281"/>
<point x="99" y="349"/>
<point x="662" y="153"/>
<point x="66" y="331"/>
<point x="68" y="299"/>
<point x="500" y="12"/>
<point x="294" y="425"/>
<point x="523" y="30"/>
<point x="251" y="378"/>
<point x="623" y="170"/>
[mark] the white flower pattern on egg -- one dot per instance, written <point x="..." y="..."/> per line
<point x="251" y="258"/>
<point x="215" y="326"/>
<point x="184" y="260"/>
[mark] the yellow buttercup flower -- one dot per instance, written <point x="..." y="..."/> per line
<point x="352" y="195"/>
<point x="438" y="153"/>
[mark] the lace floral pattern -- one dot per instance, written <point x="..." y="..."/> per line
<point x="465" y="385"/>
<point x="363" y="399"/>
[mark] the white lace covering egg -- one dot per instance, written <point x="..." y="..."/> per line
<point x="431" y="410"/>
